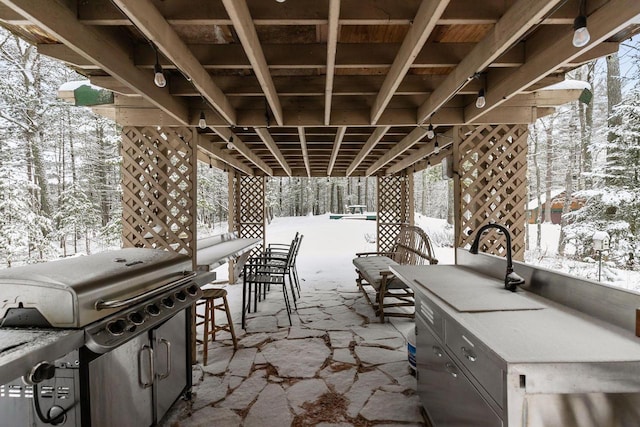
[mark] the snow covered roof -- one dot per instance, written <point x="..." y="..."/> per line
<point x="533" y="204"/>
<point x="568" y="84"/>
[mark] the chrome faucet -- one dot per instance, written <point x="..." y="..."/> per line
<point x="511" y="280"/>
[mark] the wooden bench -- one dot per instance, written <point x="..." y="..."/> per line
<point x="413" y="247"/>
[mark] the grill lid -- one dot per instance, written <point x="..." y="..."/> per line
<point x="65" y="293"/>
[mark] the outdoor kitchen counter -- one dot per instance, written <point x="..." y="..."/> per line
<point x="21" y="349"/>
<point x="519" y="327"/>
<point x="488" y="357"/>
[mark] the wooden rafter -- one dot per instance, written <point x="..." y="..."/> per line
<point x="553" y="49"/>
<point x="375" y="137"/>
<point x="266" y="137"/>
<point x="343" y="117"/>
<point x="239" y="145"/>
<point x="407" y="142"/>
<point x="305" y="152"/>
<point x="210" y="148"/>
<point x="243" y="24"/>
<point x="152" y="24"/>
<point x="102" y="49"/>
<point x="310" y="56"/>
<point x="423" y="24"/>
<point x="310" y="12"/>
<point x="520" y="17"/>
<point x="419" y="154"/>
<point x="332" y="43"/>
<point x="336" y="148"/>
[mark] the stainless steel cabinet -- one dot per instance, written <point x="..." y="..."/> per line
<point x="448" y="396"/>
<point x="170" y="367"/>
<point x="139" y="394"/>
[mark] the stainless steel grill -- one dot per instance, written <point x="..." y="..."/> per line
<point x="119" y="322"/>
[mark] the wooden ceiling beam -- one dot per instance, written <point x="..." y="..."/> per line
<point x="332" y="43"/>
<point x="421" y="28"/>
<point x="520" y="17"/>
<point x="375" y="137"/>
<point x="266" y="137"/>
<point x="311" y="12"/>
<point x="407" y="142"/>
<point x="152" y="24"/>
<point x="301" y="56"/>
<point x="100" y="48"/>
<point x="425" y="150"/>
<point x="210" y="148"/>
<point x="239" y="145"/>
<point x="314" y="85"/>
<point x="551" y="50"/>
<point x="135" y="116"/>
<point x="305" y="152"/>
<point x="243" y="24"/>
<point x="208" y="159"/>
<point x="336" y="148"/>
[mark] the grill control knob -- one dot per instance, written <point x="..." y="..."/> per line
<point x="116" y="327"/>
<point x="181" y="295"/>
<point x="192" y="290"/>
<point x="136" y="318"/>
<point x="152" y="309"/>
<point x="167" y="302"/>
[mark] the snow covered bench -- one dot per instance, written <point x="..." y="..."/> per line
<point x="413" y="247"/>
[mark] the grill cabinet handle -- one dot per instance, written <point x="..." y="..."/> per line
<point x="149" y="351"/>
<point x="167" y="372"/>
<point x="127" y="302"/>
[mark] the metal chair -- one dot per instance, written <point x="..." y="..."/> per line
<point x="259" y="274"/>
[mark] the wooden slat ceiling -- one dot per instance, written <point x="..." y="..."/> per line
<point x="323" y="87"/>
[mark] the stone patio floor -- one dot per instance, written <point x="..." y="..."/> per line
<point x="336" y="366"/>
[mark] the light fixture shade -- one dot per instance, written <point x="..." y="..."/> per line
<point x="202" y="122"/>
<point x="158" y="77"/>
<point x="481" y="101"/>
<point x="430" y="132"/>
<point x="581" y="34"/>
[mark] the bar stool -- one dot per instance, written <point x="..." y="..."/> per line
<point x="209" y="297"/>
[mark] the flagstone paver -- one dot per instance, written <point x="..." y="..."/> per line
<point x="336" y="349"/>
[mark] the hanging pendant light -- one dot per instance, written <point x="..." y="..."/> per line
<point x="430" y="132"/>
<point x="581" y="34"/>
<point x="481" y="101"/>
<point x="202" y="122"/>
<point x="436" y="147"/>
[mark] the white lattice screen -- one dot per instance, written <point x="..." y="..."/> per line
<point x="395" y="208"/>
<point x="158" y="183"/>
<point x="493" y="186"/>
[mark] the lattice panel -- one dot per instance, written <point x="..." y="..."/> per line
<point x="158" y="182"/>
<point x="249" y="205"/>
<point x="395" y="208"/>
<point x="493" y="170"/>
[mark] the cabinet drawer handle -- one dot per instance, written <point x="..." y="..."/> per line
<point x="451" y="369"/>
<point x="468" y="354"/>
<point x="437" y="351"/>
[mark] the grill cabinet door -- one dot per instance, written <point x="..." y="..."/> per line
<point x="170" y="348"/>
<point x="120" y="385"/>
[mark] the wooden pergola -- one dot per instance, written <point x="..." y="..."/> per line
<point x="322" y="88"/>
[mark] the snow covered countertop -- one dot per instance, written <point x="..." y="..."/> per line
<point x="550" y="333"/>
<point x="21" y="349"/>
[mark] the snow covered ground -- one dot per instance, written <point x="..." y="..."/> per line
<point x="333" y="243"/>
